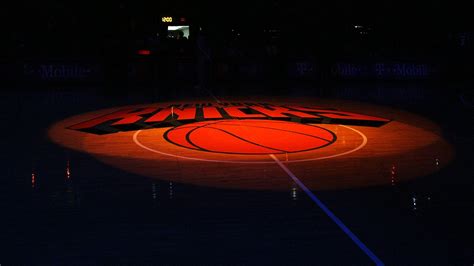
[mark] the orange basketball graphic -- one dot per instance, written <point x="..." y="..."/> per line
<point x="250" y="136"/>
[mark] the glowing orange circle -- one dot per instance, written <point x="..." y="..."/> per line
<point x="250" y="136"/>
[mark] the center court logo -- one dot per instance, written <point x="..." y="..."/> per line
<point x="231" y="127"/>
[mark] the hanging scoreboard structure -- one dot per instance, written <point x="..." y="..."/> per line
<point x="175" y="27"/>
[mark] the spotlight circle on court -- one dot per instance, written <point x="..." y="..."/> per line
<point x="371" y="145"/>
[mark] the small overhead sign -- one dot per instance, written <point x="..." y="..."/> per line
<point x="167" y="19"/>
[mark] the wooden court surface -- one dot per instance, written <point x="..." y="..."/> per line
<point x="407" y="147"/>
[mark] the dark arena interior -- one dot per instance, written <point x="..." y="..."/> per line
<point x="237" y="132"/>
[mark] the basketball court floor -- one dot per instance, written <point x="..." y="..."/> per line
<point x="230" y="179"/>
